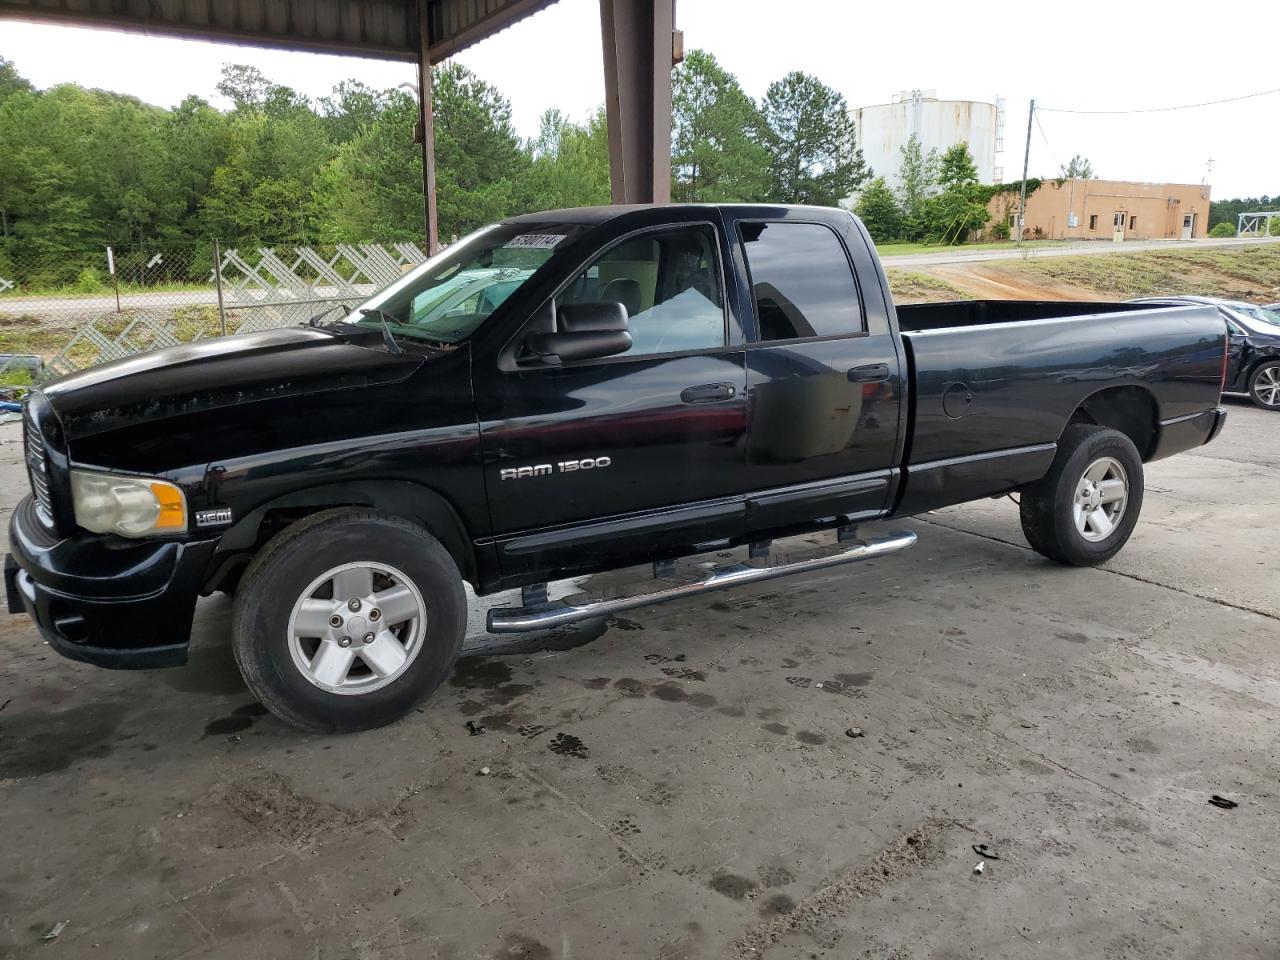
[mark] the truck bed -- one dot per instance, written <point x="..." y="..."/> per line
<point x="994" y="383"/>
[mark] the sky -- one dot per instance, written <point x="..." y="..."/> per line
<point x="1135" y="54"/>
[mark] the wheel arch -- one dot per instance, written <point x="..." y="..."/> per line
<point x="400" y="498"/>
<point x="1133" y="410"/>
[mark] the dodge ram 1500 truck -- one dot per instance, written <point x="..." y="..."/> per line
<point x="561" y="394"/>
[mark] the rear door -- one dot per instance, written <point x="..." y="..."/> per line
<point x="594" y="462"/>
<point x="824" y="375"/>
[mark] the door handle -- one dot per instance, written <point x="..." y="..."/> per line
<point x="870" y="373"/>
<point x="708" y="393"/>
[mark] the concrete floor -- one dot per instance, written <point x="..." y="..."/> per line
<point x="681" y="786"/>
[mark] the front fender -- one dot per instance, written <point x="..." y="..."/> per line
<point x="401" y="498"/>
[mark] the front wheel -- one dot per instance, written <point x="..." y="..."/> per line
<point x="348" y="618"/>
<point x="1085" y="508"/>
<point x="1264" y="386"/>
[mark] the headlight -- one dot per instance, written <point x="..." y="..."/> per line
<point x="129" y="506"/>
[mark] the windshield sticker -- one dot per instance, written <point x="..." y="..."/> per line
<point x="535" y="241"/>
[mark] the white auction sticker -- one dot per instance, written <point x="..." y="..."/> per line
<point x="535" y="241"/>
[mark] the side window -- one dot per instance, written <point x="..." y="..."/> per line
<point x="801" y="281"/>
<point x="670" y="284"/>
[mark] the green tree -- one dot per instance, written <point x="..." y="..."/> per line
<point x="814" y="156"/>
<point x="717" y="136"/>
<point x="879" y="211"/>
<point x="10" y="81"/>
<point x="245" y="86"/>
<point x="372" y="191"/>
<point x="1228" y="211"/>
<point x="1080" y="167"/>
<point x="960" y="208"/>
<point x="263" y="192"/>
<point x="478" y="157"/>
<point x="569" y="163"/>
<point x="353" y="107"/>
<point x="917" y="182"/>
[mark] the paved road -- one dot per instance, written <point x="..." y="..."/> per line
<point x="163" y="301"/>
<point x="1092" y="248"/>
<point x="678" y="783"/>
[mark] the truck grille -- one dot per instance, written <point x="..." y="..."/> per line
<point x="37" y="467"/>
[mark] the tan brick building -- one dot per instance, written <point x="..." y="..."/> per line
<point x="1108" y="209"/>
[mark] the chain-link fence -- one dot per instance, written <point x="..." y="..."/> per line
<point x="61" y="313"/>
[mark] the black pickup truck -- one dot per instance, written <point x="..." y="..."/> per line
<point x="561" y="394"/>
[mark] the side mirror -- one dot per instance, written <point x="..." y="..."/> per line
<point x="587" y="331"/>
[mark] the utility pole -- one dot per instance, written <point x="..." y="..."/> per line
<point x="1026" y="160"/>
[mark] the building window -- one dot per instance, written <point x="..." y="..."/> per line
<point x="1133" y="223"/>
<point x="1093" y="221"/>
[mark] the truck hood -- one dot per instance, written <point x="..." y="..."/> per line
<point x="229" y="371"/>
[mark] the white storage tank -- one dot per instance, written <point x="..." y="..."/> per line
<point x="883" y="130"/>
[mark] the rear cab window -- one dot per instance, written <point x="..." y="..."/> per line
<point x="801" y="282"/>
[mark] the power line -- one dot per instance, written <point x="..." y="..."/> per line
<point x="1185" y="106"/>
<point x="1045" y="137"/>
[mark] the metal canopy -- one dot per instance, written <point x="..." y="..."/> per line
<point x="387" y="29"/>
<point x="640" y="42"/>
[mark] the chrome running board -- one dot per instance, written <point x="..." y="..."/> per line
<point x="557" y="613"/>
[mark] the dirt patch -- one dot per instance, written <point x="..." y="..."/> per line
<point x="268" y="802"/>
<point x="1244" y="273"/>
<point x="918" y="847"/>
<point x="911" y="286"/>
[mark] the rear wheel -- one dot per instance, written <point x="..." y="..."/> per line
<point x="1264" y="386"/>
<point x="347" y="619"/>
<point x="1086" y="507"/>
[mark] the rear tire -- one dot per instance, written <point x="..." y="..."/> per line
<point x="309" y="629"/>
<point x="1085" y="508"/>
<point x="1264" y="386"/>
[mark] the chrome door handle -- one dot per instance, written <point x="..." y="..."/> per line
<point x="871" y="373"/>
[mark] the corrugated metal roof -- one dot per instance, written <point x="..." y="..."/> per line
<point x="372" y="28"/>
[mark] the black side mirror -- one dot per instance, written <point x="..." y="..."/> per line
<point x="587" y="331"/>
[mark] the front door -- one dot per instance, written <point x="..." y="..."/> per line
<point x="1188" y="226"/>
<point x="823" y="375"/>
<point x="1118" y="222"/>
<point x="597" y="462"/>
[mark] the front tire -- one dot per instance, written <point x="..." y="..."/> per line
<point x="347" y="619"/>
<point x="1264" y="386"/>
<point x="1085" y="508"/>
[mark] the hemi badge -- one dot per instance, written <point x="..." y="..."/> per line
<point x="213" y="518"/>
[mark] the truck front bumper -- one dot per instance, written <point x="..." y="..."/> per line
<point x="103" y="600"/>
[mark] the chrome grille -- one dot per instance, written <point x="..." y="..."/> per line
<point x="37" y="467"/>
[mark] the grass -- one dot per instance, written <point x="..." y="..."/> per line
<point x="74" y="291"/>
<point x="26" y="334"/>
<point x="907" y="285"/>
<point x="15" y="378"/>
<point x="1240" y="273"/>
<point x="897" y="249"/>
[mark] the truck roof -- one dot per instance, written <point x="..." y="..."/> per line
<point x="603" y="214"/>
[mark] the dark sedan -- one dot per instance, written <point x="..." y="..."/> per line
<point x="1253" y="355"/>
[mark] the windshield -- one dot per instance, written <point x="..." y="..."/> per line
<point x="1257" y="318"/>
<point x="448" y="297"/>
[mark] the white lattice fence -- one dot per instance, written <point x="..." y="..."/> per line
<point x="261" y="290"/>
<point x="279" y="288"/>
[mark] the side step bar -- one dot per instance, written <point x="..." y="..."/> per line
<point x="570" y="610"/>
